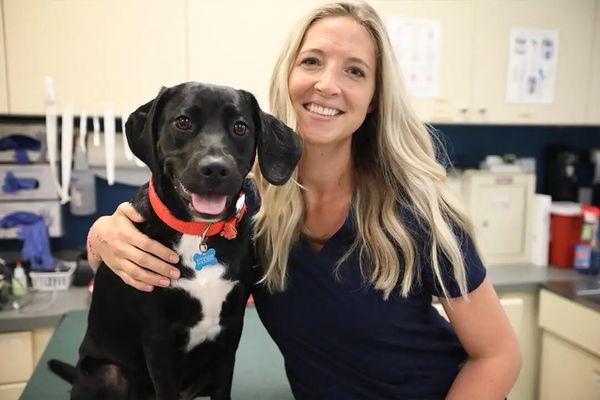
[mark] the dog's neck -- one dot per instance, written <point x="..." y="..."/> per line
<point x="226" y="228"/>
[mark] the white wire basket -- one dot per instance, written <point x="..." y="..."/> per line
<point x="55" y="280"/>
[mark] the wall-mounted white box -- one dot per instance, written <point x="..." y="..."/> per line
<point x="500" y="205"/>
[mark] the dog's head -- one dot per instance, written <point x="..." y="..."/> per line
<point x="200" y="142"/>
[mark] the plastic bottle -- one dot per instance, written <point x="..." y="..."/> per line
<point x="19" y="281"/>
<point x="83" y="187"/>
<point x="586" y="257"/>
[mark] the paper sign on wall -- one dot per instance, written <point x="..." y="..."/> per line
<point x="417" y="43"/>
<point x="532" y="66"/>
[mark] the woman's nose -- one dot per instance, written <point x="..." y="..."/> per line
<point x="327" y="84"/>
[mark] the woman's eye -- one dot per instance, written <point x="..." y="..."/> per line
<point x="182" y="122"/>
<point x="356" y="72"/>
<point x="310" y="61"/>
<point x="240" y="128"/>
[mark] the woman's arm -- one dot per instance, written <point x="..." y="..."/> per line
<point x="488" y="338"/>
<point x="140" y="261"/>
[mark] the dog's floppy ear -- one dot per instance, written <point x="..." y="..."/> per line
<point x="140" y="131"/>
<point x="279" y="147"/>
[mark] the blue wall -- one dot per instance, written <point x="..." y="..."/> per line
<point x="467" y="145"/>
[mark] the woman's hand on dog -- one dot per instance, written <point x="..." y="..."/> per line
<point x="140" y="261"/>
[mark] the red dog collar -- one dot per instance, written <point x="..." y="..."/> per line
<point x="227" y="229"/>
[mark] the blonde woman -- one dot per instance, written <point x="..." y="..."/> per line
<point x="353" y="251"/>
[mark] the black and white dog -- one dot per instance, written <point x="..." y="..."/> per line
<point x="199" y="142"/>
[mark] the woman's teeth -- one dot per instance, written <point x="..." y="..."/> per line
<point x="322" y="110"/>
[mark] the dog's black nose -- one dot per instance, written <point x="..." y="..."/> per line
<point x="215" y="170"/>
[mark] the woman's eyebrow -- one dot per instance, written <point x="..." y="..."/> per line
<point x="351" y="59"/>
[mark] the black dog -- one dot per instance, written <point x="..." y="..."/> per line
<point x="199" y="142"/>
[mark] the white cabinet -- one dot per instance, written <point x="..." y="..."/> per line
<point x="521" y="309"/>
<point x="20" y="352"/>
<point x="594" y="87"/>
<point x="500" y="207"/>
<point x="475" y="57"/>
<point x="236" y="42"/>
<point x="457" y="24"/>
<point x="570" y="362"/>
<point x="12" y="391"/>
<point x="16" y="347"/>
<point x="494" y="19"/>
<point x="568" y="372"/>
<point x="3" y="87"/>
<point x="100" y="52"/>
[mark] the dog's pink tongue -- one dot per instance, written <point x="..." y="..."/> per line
<point x="209" y="204"/>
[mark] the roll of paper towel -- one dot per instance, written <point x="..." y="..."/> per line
<point x="540" y="229"/>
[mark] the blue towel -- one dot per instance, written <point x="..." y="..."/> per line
<point x="34" y="233"/>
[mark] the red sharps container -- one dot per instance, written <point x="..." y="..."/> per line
<point x="566" y="219"/>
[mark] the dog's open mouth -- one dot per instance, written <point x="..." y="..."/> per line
<point x="208" y="204"/>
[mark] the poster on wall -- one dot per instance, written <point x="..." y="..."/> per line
<point x="417" y="44"/>
<point x="532" y="66"/>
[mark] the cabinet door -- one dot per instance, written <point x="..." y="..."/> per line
<point x="12" y="391"/>
<point x="236" y="42"/>
<point x="457" y="26"/>
<point x="521" y="310"/>
<point x="567" y="371"/>
<point x="594" y="90"/>
<point x="3" y="87"/>
<point x="100" y="52"/>
<point x="40" y="339"/>
<point x="494" y="19"/>
<point x="16" y="356"/>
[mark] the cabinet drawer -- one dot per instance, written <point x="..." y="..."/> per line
<point x="571" y="321"/>
<point x="16" y="356"/>
<point x="40" y="172"/>
<point x="12" y="391"/>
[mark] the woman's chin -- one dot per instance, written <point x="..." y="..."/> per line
<point x="322" y="140"/>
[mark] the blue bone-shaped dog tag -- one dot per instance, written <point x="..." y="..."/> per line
<point x="204" y="259"/>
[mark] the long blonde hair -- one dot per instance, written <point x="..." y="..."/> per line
<point x="396" y="168"/>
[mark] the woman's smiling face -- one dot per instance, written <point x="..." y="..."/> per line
<point x="332" y="82"/>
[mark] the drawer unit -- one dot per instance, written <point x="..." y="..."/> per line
<point x="50" y="210"/>
<point x="17" y="357"/>
<point x="42" y="173"/>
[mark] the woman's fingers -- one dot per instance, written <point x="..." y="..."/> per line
<point x="133" y="282"/>
<point x="148" y="268"/>
<point x="150" y="254"/>
<point x="128" y="211"/>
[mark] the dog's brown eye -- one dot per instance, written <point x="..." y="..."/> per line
<point x="239" y="128"/>
<point x="183" y="123"/>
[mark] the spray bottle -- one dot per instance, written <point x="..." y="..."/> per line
<point x="19" y="281"/>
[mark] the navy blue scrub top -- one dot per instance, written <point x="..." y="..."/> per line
<point x="341" y="340"/>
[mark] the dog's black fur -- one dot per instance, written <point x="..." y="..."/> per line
<point x="135" y="344"/>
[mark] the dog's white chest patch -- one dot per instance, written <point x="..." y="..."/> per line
<point x="208" y="286"/>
